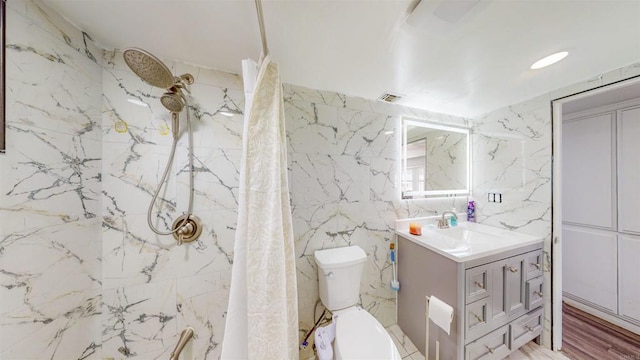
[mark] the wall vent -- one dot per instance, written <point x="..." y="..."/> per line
<point x="389" y="97"/>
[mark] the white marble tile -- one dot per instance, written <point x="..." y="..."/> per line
<point x="144" y="124"/>
<point x="53" y="181"/>
<point x="311" y="128"/>
<point x="321" y="179"/>
<point x="315" y="228"/>
<point x="138" y="320"/>
<point x="364" y="134"/>
<point x="210" y="127"/>
<point x="202" y="304"/>
<point x="133" y="254"/>
<point x="42" y="33"/>
<point x="132" y="174"/>
<point x="383" y="179"/>
<point x="41" y="314"/>
<point x="216" y="178"/>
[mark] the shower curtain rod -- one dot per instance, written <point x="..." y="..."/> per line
<point x="263" y="35"/>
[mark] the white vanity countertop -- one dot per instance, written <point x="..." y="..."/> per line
<point x="465" y="242"/>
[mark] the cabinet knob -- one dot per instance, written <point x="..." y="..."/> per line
<point x="536" y="265"/>
<point x="480" y="285"/>
<point x="529" y="328"/>
<point x="513" y="269"/>
<point x="539" y="293"/>
<point x="490" y="349"/>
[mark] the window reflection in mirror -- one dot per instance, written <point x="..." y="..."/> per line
<point x="435" y="160"/>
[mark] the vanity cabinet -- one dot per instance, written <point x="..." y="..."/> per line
<point x="497" y="300"/>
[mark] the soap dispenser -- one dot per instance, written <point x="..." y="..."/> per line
<point x="453" y="220"/>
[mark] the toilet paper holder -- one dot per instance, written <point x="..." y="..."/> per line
<point x="426" y="342"/>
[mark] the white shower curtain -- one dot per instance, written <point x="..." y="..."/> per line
<point x="262" y="317"/>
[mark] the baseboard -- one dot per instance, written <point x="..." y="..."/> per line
<point x="590" y="309"/>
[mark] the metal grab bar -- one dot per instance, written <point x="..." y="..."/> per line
<point x="185" y="336"/>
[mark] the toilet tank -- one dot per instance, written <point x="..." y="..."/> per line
<point x="339" y="274"/>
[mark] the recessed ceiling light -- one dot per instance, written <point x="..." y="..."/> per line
<point x="551" y="59"/>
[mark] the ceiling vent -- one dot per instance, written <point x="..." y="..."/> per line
<point x="389" y="97"/>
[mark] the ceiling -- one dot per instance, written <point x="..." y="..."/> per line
<point x="469" y="64"/>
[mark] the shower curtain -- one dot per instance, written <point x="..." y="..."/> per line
<point x="262" y="317"/>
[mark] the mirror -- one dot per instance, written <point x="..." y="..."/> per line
<point x="435" y="160"/>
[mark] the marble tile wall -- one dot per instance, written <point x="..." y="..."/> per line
<point x="512" y="156"/>
<point x="344" y="187"/>
<point x="153" y="288"/>
<point x="50" y="274"/>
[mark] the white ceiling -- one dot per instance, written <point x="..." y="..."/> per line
<point x="366" y="47"/>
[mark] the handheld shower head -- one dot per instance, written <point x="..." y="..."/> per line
<point x="173" y="101"/>
<point x="149" y="68"/>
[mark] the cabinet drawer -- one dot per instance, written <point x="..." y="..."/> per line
<point x="533" y="264"/>
<point x="525" y="329"/>
<point x="478" y="284"/>
<point x="534" y="293"/>
<point x="495" y="345"/>
<point x="476" y="318"/>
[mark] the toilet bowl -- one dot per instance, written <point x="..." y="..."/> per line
<point x="359" y="336"/>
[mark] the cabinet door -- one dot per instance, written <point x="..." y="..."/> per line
<point x="515" y="284"/>
<point x="534" y="264"/>
<point x="589" y="265"/>
<point x="629" y="271"/>
<point x="493" y="346"/>
<point x="629" y="170"/>
<point x="589" y="140"/>
<point x="478" y="283"/>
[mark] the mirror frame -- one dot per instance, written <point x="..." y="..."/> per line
<point x="408" y="195"/>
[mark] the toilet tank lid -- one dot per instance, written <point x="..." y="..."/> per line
<point x="338" y="257"/>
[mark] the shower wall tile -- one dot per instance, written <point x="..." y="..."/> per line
<point x="50" y="22"/>
<point x="202" y="305"/>
<point x="50" y="303"/>
<point x="51" y="173"/>
<point x="216" y="178"/>
<point x="154" y="288"/>
<point x="138" y="320"/>
<point x="132" y="173"/>
<point x="50" y="189"/>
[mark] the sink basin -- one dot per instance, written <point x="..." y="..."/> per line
<point x="464" y="232"/>
<point x="469" y="241"/>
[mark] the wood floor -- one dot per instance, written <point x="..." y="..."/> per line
<point x="586" y="337"/>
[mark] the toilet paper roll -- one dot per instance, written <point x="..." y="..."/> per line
<point x="441" y="314"/>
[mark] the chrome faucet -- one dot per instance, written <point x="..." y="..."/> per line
<point x="442" y="223"/>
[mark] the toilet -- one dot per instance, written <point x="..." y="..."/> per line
<point x="359" y="336"/>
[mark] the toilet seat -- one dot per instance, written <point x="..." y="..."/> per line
<point x="359" y="336"/>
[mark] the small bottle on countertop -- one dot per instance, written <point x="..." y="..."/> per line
<point x="453" y="220"/>
<point x="471" y="211"/>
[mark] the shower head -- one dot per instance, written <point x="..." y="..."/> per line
<point x="173" y="101"/>
<point x="149" y="68"/>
